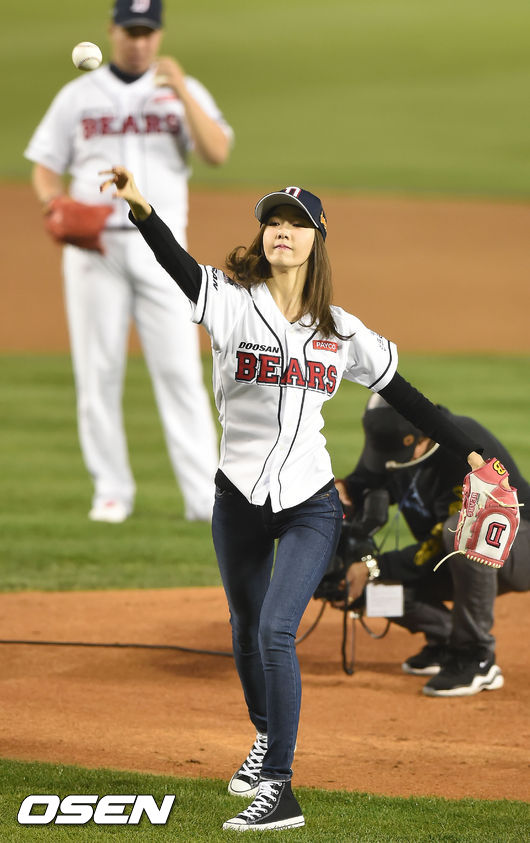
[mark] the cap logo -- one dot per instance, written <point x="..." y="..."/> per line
<point x="140" y="6"/>
<point x="323" y="220"/>
<point x="293" y="191"/>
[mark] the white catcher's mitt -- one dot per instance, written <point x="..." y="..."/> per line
<point x="489" y="517"/>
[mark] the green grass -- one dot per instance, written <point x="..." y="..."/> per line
<point x="379" y="95"/>
<point x="200" y="808"/>
<point x="46" y="540"/>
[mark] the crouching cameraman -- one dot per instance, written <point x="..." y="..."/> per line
<point x="425" y="480"/>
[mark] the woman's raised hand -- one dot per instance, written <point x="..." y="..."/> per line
<point x="126" y="189"/>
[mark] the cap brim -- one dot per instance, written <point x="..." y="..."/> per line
<point x="128" y="24"/>
<point x="375" y="460"/>
<point x="272" y="200"/>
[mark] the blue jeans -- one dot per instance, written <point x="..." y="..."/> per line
<point x="267" y="596"/>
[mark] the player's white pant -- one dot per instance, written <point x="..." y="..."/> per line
<point x="103" y="293"/>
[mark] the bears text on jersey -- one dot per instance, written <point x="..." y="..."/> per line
<point x="138" y="124"/>
<point x="265" y="369"/>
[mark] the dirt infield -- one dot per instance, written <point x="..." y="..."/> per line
<point x="169" y="712"/>
<point x="165" y="711"/>
<point x="394" y="260"/>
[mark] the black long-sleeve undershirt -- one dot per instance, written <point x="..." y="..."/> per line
<point x="170" y="254"/>
<point x="399" y="393"/>
<point x="427" y="417"/>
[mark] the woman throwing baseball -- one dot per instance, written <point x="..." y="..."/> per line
<point x="280" y="350"/>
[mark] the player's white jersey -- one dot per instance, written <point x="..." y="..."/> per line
<point x="271" y="379"/>
<point x="98" y="121"/>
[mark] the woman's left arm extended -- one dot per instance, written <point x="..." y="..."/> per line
<point x="427" y="417"/>
<point x="169" y="253"/>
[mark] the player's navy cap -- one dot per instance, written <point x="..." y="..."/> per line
<point x="303" y="199"/>
<point x="138" y="13"/>
<point x="385" y="431"/>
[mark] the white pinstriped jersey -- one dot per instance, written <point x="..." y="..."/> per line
<point x="97" y="121"/>
<point x="271" y="379"/>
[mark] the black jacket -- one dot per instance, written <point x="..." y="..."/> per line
<point x="427" y="494"/>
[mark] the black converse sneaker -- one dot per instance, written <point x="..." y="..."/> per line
<point x="245" y="781"/>
<point x="428" y="662"/>
<point x="465" y="674"/>
<point x="274" y="806"/>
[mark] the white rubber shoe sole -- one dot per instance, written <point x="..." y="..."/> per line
<point x="431" y="670"/>
<point x="492" y="681"/>
<point x="109" y="512"/>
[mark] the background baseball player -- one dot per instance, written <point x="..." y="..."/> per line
<point x="425" y="479"/>
<point x="280" y="350"/>
<point x="145" y="112"/>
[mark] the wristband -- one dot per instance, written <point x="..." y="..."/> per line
<point x="373" y="568"/>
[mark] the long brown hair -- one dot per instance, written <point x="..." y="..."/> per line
<point x="249" y="266"/>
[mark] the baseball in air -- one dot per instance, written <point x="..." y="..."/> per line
<point x="86" y="56"/>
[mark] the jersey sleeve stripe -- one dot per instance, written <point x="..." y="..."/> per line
<point x="381" y="376"/>
<point x="205" y="285"/>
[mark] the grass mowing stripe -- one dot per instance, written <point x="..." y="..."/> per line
<point x="201" y="806"/>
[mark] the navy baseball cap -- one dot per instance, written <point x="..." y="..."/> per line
<point x="385" y="431"/>
<point x="138" y="13"/>
<point x="298" y="197"/>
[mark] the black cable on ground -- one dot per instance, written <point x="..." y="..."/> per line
<point x="131" y="646"/>
<point x="117" y="645"/>
<point x="370" y="632"/>
<point x="128" y="645"/>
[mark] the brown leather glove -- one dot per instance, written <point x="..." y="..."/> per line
<point x="77" y="223"/>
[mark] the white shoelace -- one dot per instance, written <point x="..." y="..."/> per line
<point x="251" y="766"/>
<point x="264" y="800"/>
<point x="455" y="552"/>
